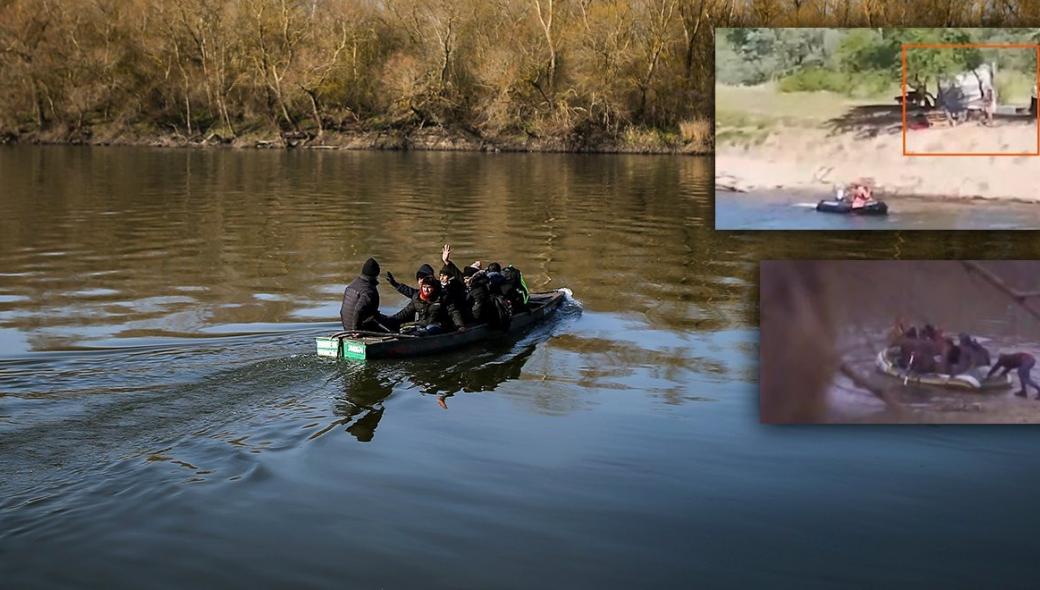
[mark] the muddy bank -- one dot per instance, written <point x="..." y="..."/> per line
<point x="423" y="139"/>
<point x="816" y="159"/>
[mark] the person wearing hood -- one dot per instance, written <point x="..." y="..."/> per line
<point x="408" y="291"/>
<point x="495" y="278"/>
<point x="478" y="297"/>
<point x="360" y="308"/>
<point x="426" y="313"/>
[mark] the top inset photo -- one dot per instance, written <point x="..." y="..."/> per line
<point x="887" y="129"/>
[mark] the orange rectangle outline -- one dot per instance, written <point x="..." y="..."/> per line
<point x="905" y="46"/>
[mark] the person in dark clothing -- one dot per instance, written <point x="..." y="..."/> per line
<point x="973" y="354"/>
<point x="1022" y="361"/>
<point x="454" y="293"/>
<point x="427" y="312"/>
<point x="494" y="277"/>
<point x="513" y="289"/>
<point x="478" y="297"/>
<point x="408" y="291"/>
<point x="360" y="308"/>
<point x="454" y="287"/>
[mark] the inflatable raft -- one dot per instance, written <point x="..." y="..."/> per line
<point x="835" y="206"/>
<point x="886" y="363"/>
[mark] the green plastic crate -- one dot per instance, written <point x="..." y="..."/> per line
<point x="353" y="350"/>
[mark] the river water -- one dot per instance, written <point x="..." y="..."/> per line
<point x="790" y="210"/>
<point x="164" y="421"/>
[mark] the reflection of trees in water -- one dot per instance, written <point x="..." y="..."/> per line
<point x="817" y="315"/>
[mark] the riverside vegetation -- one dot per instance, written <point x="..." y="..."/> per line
<point x="595" y="75"/>
<point x="583" y="75"/>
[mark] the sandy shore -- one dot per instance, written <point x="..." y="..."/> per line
<point x="802" y="158"/>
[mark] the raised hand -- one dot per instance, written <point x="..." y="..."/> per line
<point x="390" y="279"/>
<point x="446" y="253"/>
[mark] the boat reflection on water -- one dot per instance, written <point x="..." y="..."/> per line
<point x="367" y="385"/>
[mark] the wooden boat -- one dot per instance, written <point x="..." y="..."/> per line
<point x="357" y="345"/>
<point x="886" y="363"/>
<point x="835" y="206"/>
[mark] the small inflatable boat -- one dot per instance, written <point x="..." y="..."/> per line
<point x="974" y="381"/>
<point x="835" y="206"/>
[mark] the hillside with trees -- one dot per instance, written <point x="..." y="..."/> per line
<point x="867" y="62"/>
<point x="631" y="75"/>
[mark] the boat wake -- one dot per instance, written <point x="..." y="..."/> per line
<point x="805" y="205"/>
<point x="569" y="297"/>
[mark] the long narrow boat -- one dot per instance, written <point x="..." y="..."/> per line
<point x="886" y="363"/>
<point x="370" y="345"/>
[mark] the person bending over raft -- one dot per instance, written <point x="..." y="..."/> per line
<point x="360" y="308"/>
<point x="1022" y="361"/>
<point x="427" y="313"/>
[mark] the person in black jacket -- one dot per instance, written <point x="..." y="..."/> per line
<point x="454" y="293"/>
<point x="427" y="312"/>
<point x="360" y="309"/>
<point x="408" y="291"/>
<point x="478" y="297"/>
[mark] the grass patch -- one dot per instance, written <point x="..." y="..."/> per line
<point x="643" y="139"/>
<point x="1014" y="87"/>
<point x="696" y="133"/>
<point x="766" y="101"/>
<point x="854" y="85"/>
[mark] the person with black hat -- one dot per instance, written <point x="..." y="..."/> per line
<point x="424" y="271"/>
<point x="426" y="313"/>
<point x="360" y="309"/>
<point x="454" y="290"/>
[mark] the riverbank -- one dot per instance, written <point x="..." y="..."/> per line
<point x="792" y="158"/>
<point x="810" y="141"/>
<point x="630" y="141"/>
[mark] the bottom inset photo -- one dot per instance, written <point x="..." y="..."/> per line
<point x="921" y="341"/>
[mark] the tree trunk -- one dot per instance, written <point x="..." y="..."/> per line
<point x="37" y="100"/>
<point x="314" y="109"/>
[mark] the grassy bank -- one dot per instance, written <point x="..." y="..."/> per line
<point x="749" y="115"/>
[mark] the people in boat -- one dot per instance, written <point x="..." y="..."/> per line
<point x="494" y="276"/>
<point x="360" y="308"/>
<point x="952" y="357"/>
<point x="861" y="195"/>
<point x="975" y="354"/>
<point x="478" y="297"/>
<point x="918" y="355"/>
<point x="1023" y="362"/>
<point x="408" y="291"/>
<point x="514" y="289"/>
<point x="426" y="313"/>
<point x="454" y="288"/>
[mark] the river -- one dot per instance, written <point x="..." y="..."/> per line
<point x="784" y="209"/>
<point x="164" y="421"/>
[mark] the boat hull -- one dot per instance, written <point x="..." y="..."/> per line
<point x="352" y="346"/>
<point x="875" y="208"/>
<point x="965" y="382"/>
